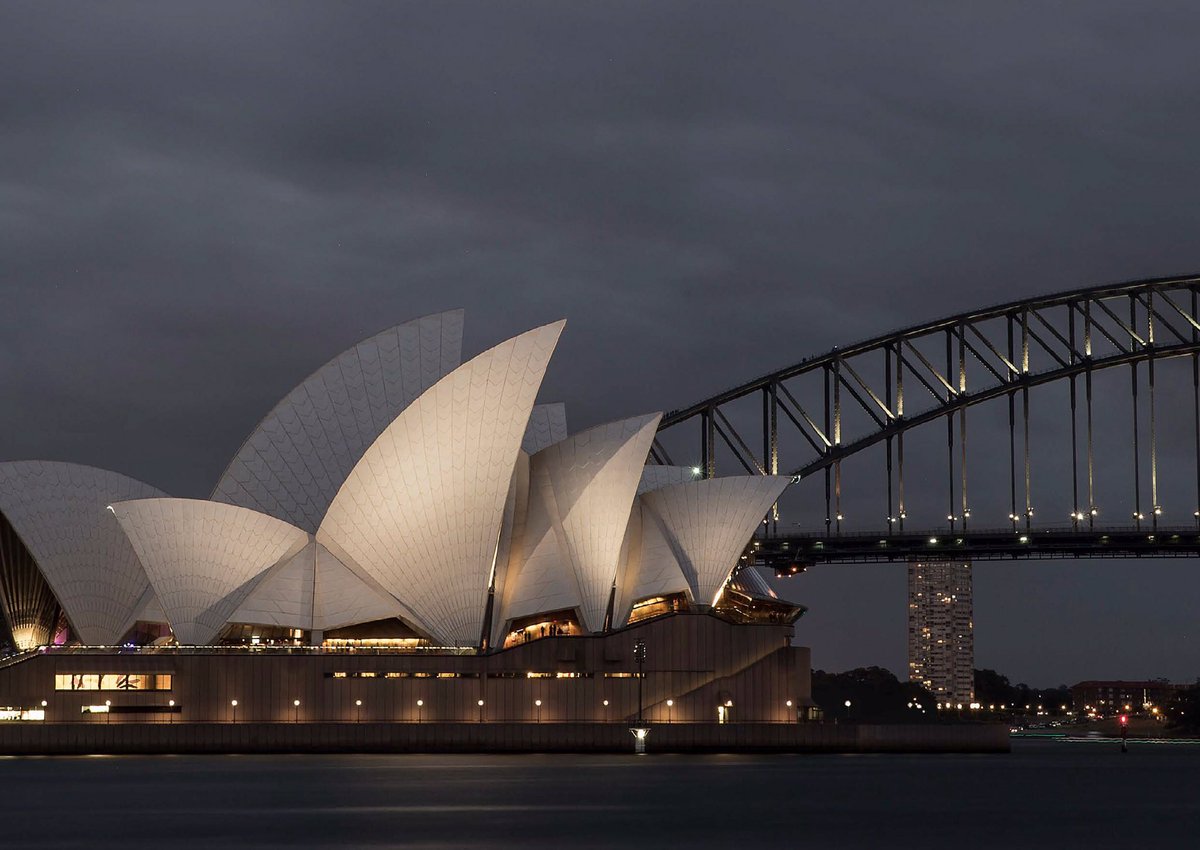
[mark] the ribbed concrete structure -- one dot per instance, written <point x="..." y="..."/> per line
<point x="421" y="512"/>
<point x="547" y="426"/>
<point x="396" y="498"/>
<point x="204" y="558"/>
<point x="706" y="525"/>
<point x="581" y="491"/>
<point x="59" y="511"/>
<point x="297" y="458"/>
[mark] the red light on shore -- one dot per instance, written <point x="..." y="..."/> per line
<point x="1124" y="720"/>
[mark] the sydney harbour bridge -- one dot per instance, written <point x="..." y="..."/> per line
<point x="1054" y="427"/>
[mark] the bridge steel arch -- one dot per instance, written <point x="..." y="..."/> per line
<point x="952" y="365"/>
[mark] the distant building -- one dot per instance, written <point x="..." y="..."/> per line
<point x="1117" y="697"/>
<point x="941" y="630"/>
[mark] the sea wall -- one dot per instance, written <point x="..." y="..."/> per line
<point x="34" y="738"/>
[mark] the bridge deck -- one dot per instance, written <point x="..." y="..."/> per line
<point x="788" y="554"/>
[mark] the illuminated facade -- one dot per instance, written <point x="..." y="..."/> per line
<point x="398" y="501"/>
<point x="941" y="630"/>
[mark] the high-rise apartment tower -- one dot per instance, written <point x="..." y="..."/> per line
<point x="941" y="630"/>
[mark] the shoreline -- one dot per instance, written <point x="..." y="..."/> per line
<point x="368" y="737"/>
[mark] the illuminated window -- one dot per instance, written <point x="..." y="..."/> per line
<point x="8" y="714"/>
<point x="112" y="681"/>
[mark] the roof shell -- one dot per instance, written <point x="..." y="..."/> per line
<point x="649" y="566"/>
<point x="292" y="465"/>
<point x="547" y="426"/>
<point x="59" y="512"/>
<point x="421" y="512"/>
<point x="656" y="476"/>
<point x="204" y="558"/>
<point x="582" y="490"/>
<point x="707" y="523"/>
<point x="313" y="590"/>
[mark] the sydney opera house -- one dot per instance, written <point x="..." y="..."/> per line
<point x="404" y="537"/>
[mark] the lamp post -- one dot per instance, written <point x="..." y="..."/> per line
<point x="420" y="704"/>
<point x="847" y="709"/>
<point x="233" y="704"/>
<point x="538" y="703"/>
<point x="296" y="711"/>
<point x="480" y="704"/>
<point x="171" y="711"/>
<point x="670" y="705"/>
<point x="639" y="655"/>
<point x="606" y="711"/>
<point x="107" y="710"/>
<point x="358" y="711"/>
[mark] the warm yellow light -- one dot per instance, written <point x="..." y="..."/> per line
<point x="670" y="703"/>
<point x="420" y="703"/>
<point x="538" y="703"/>
<point x="480" y="703"/>
<point x="296" y="703"/>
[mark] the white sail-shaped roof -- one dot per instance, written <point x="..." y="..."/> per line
<point x="284" y="595"/>
<point x="298" y="457"/>
<point x="547" y="426"/>
<point x="540" y="577"/>
<point x="587" y="484"/>
<point x="59" y="512"/>
<point x="656" y="475"/>
<point x="313" y="590"/>
<point x="343" y="597"/>
<point x="204" y="558"/>
<point x="421" y="512"/>
<point x="649" y="566"/>
<point x="707" y="524"/>
<point x="510" y="553"/>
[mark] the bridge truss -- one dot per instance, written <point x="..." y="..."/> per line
<point x="837" y="405"/>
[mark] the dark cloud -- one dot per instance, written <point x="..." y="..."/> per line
<point x="199" y="203"/>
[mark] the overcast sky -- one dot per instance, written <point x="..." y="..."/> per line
<point x="201" y="203"/>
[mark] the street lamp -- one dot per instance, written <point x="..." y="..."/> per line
<point x="639" y="655"/>
<point x="107" y="709"/>
<point x="171" y="713"/>
<point x="848" y="709"/>
<point x="606" y="711"/>
<point x="296" y="708"/>
<point x="480" y="704"/>
<point x="233" y="704"/>
<point x="358" y="711"/>
<point x="538" y="703"/>
<point x="420" y="704"/>
<point x="670" y="704"/>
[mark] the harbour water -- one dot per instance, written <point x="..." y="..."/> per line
<point x="1043" y="794"/>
